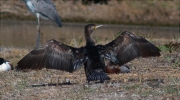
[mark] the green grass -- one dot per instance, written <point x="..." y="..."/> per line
<point x="172" y="89"/>
<point x="164" y="48"/>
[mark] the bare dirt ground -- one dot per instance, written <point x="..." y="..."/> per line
<point x="155" y="78"/>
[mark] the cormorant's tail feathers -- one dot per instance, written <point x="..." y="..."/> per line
<point x="96" y="75"/>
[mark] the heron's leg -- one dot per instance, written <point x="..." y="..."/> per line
<point x="38" y="30"/>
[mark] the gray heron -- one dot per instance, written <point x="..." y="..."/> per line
<point x="44" y="9"/>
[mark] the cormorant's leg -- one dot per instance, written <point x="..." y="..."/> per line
<point x="38" y="31"/>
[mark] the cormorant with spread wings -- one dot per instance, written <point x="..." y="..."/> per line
<point x="56" y="55"/>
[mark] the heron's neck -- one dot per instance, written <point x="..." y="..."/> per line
<point x="89" y="39"/>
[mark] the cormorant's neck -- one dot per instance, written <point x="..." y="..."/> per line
<point x="89" y="39"/>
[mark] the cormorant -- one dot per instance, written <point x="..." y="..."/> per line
<point x="43" y="9"/>
<point x="56" y="55"/>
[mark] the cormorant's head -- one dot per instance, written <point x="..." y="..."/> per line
<point x="88" y="30"/>
<point x="91" y="27"/>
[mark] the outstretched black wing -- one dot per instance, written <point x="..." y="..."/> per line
<point x="53" y="55"/>
<point x="126" y="47"/>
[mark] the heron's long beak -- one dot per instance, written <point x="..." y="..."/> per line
<point x="97" y="26"/>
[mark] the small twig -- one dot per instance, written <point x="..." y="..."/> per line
<point x="172" y="79"/>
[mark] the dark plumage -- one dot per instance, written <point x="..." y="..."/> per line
<point x="56" y="55"/>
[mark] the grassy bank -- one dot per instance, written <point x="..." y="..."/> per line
<point x="151" y="78"/>
<point x="155" y="78"/>
<point x="159" y="13"/>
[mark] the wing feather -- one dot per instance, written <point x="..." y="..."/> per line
<point x="53" y="55"/>
<point x="126" y="47"/>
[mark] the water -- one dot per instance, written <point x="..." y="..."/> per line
<point x="22" y="34"/>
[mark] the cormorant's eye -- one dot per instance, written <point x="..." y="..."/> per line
<point x="93" y="28"/>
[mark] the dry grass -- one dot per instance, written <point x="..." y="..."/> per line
<point x="124" y="12"/>
<point x="151" y="78"/>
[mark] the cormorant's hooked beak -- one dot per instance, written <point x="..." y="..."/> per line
<point x="95" y="27"/>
